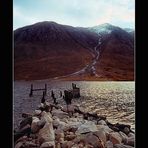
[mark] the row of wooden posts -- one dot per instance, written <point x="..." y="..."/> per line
<point x="68" y="94"/>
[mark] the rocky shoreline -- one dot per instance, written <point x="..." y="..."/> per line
<point x="52" y="126"/>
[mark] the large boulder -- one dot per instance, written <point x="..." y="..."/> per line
<point x="46" y="134"/>
<point x="124" y="137"/>
<point x="60" y="114"/>
<point x="115" y="138"/>
<point x="86" y="127"/>
<point x="101" y="135"/>
<point x="93" y="140"/>
<point x="131" y="141"/>
<point x="34" y="126"/>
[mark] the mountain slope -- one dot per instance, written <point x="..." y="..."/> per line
<point x="48" y="50"/>
<point x="117" y="58"/>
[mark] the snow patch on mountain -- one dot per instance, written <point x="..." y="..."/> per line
<point x="102" y="29"/>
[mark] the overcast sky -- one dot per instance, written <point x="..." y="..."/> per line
<point x="84" y="13"/>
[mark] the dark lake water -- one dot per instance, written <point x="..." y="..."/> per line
<point x="114" y="99"/>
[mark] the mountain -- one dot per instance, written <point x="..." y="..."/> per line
<point x="117" y="58"/>
<point x="48" y="50"/>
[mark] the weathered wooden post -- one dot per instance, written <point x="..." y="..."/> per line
<point x="43" y="98"/>
<point x="31" y="91"/>
<point x="45" y="89"/>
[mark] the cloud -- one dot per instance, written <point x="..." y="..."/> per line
<point x="75" y="12"/>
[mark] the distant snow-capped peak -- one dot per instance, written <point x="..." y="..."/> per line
<point x="103" y="28"/>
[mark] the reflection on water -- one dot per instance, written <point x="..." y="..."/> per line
<point x="116" y="100"/>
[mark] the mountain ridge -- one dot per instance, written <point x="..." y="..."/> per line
<point x="49" y="40"/>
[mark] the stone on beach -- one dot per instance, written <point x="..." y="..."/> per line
<point x="57" y="129"/>
<point x="109" y="144"/>
<point x="34" y="126"/>
<point x="46" y="134"/>
<point x="115" y="138"/>
<point x="89" y="126"/>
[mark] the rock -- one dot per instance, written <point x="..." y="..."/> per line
<point x="106" y="129"/>
<point x="60" y="114"/>
<point x="131" y="134"/>
<point x="46" y="134"/>
<point x="74" y="124"/>
<point x="115" y="138"/>
<point x="65" y="120"/>
<point x="34" y="126"/>
<point x="86" y="127"/>
<point x="126" y="130"/>
<point x="37" y="112"/>
<point x="19" y="145"/>
<point x="70" y="108"/>
<point x="48" y="145"/>
<point x="59" y="135"/>
<point x="41" y="123"/>
<point x="56" y="123"/>
<point x="80" y="145"/>
<point x="122" y="146"/>
<point x="70" y="137"/>
<point x="58" y="145"/>
<point x="69" y="144"/>
<point x="101" y="122"/>
<point x="26" y="121"/>
<point x="109" y="144"/>
<point x="46" y="117"/>
<point x="64" y="144"/>
<point x="26" y="130"/>
<point x="73" y="119"/>
<point x="101" y="135"/>
<point x="93" y="140"/>
<point x="124" y="137"/>
<point x="63" y="126"/>
<point x="131" y="141"/>
<point x="61" y="140"/>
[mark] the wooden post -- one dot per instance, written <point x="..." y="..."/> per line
<point x="43" y="98"/>
<point x="31" y="91"/>
<point x="45" y="89"/>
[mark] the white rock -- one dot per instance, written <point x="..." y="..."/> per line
<point x="46" y="116"/>
<point x="86" y="127"/>
<point x="102" y="122"/>
<point x="46" y="134"/>
<point x="37" y="112"/>
<point x="56" y="122"/>
<point x="48" y="145"/>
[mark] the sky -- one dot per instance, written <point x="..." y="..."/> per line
<point x="82" y="13"/>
